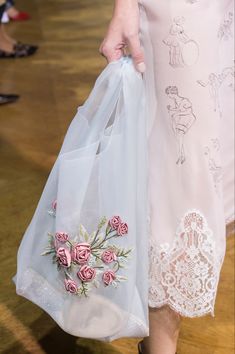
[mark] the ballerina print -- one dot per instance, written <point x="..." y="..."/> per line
<point x="183" y="51"/>
<point x="214" y="83"/>
<point x="212" y="152"/>
<point x="182" y="118"/>
<point x="225" y="29"/>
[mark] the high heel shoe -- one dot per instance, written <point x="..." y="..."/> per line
<point x="140" y="351"/>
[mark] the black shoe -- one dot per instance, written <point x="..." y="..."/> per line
<point x="8" y="98"/>
<point x="140" y="347"/>
<point x="20" y="50"/>
<point x="30" y="47"/>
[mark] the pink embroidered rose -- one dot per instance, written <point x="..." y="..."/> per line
<point x="70" y="286"/>
<point x="122" y="229"/>
<point x="63" y="256"/>
<point x="81" y="252"/>
<point x="61" y="236"/>
<point x="114" y="222"/>
<point x="54" y="205"/>
<point x="108" y="256"/>
<point x="108" y="276"/>
<point x="86" y="273"/>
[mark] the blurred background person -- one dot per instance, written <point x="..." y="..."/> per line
<point x="10" y="47"/>
<point x="13" y="12"/>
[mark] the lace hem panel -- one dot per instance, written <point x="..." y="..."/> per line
<point x="185" y="275"/>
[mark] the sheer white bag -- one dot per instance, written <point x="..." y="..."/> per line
<point x="100" y="172"/>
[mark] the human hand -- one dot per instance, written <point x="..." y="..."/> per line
<point x="122" y="33"/>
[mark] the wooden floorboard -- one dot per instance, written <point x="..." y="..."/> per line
<point x="52" y="84"/>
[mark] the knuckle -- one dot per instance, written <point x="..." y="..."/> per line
<point x="138" y="56"/>
<point x="105" y="49"/>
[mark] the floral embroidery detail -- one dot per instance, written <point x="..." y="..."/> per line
<point x="61" y="237"/>
<point x="86" y="258"/>
<point x="185" y="275"/>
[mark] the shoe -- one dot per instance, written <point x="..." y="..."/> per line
<point x="4" y="99"/>
<point x="140" y="347"/>
<point x="27" y="46"/>
<point x="22" y="16"/>
<point x="20" y="50"/>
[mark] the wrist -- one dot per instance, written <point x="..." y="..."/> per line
<point x="124" y="7"/>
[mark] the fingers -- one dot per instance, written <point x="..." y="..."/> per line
<point x="136" y="52"/>
<point x="110" y="52"/>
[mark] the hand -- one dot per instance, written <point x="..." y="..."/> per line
<point x="123" y="31"/>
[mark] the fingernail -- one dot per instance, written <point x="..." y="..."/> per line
<point x="141" y="67"/>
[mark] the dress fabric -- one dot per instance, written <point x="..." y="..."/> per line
<point x="189" y="81"/>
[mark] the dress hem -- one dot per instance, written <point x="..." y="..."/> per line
<point x="180" y="312"/>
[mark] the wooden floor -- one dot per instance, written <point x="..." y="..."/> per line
<point x="52" y="84"/>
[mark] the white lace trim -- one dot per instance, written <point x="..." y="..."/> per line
<point x="185" y="275"/>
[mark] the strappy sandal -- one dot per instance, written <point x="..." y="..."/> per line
<point x="140" y="347"/>
<point x="20" y="50"/>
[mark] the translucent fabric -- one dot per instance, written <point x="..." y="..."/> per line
<point x="100" y="172"/>
<point x="189" y="84"/>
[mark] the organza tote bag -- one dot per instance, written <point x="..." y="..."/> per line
<point x="84" y="256"/>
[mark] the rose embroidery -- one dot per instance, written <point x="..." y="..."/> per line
<point x="64" y="256"/>
<point x="87" y="260"/>
<point x="122" y="229"/>
<point x="54" y="205"/>
<point x="115" y="222"/>
<point x="108" y="277"/>
<point x="81" y="252"/>
<point x="70" y="286"/>
<point x="86" y="273"/>
<point x="61" y="236"/>
<point x="108" y="256"/>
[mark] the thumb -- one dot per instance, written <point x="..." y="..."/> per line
<point x="137" y="53"/>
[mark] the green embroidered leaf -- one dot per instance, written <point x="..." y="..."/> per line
<point x="121" y="278"/>
<point x="47" y="252"/>
<point x="86" y="236"/>
<point x="122" y="252"/>
<point x="81" y="230"/>
<point x="102" y="222"/>
<point x="92" y="236"/>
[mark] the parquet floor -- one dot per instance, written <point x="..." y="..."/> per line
<point x="52" y="84"/>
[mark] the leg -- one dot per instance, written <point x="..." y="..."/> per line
<point x="4" y="43"/>
<point x="164" y="325"/>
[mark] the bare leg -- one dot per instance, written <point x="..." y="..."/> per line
<point x="5" y="44"/>
<point x="7" y="37"/>
<point x="164" y="330"/>
<point x="12" y="11"/>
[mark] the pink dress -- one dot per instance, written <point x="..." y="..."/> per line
<point x="189" y="80"/>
